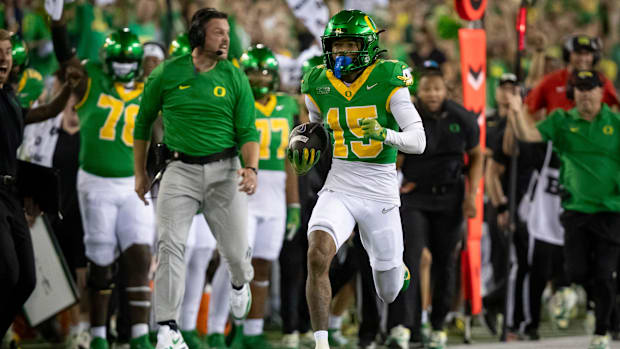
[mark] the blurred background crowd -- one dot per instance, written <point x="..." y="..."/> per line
<point x="415" y="31"/>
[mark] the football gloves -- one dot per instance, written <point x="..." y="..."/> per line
<point x="293" y="220"/>
<point x="304" y="161"/>
<point x="373" y="130"/>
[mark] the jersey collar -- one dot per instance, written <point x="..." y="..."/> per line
<point x="349" y="92"/>
<point x="268" y="108"/>
<point x="127" y="95"/>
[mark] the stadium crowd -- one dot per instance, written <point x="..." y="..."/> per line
<point x="217" y="250"/>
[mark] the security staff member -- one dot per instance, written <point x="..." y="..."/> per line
<point x="434" y="199"/>
<point x="17" y="270"/>
<point x="586" y="139"/>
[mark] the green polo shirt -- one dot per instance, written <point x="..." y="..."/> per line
<point x="590" y="155"/>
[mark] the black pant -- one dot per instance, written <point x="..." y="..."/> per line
<point x="293" y="273"/>
<point x="17" y="268"/>
<point x="440" y="232"/>
<point x="370" y="316"/>
<point x="591" y="252"/>
<point x="405" y="310"/>
<point x="547" y="264"/>
<point x="521" y="244"/>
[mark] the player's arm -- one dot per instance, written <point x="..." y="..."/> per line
<point x="50" y="110"/>
<point x="301" y="163"/>
<point x="412" y="139"/>
<point x="293" y="207"/>
<point x="65" y="53"/>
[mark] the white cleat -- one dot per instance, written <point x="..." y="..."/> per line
<point x="240" y="302"/>
<point x="168" y="338"/>
<point x="291" y="340"/>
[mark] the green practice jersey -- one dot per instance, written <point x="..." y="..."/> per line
<point x="590" y="155"/>
<point x="107" y="115"/>
<point x="30" y="87"/>
<point x="343" y="107"/>
<point x="274" y="121"/>
<point x="203" y="113"/>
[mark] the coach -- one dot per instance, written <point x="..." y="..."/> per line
<point x="208" y="113"/>
<point x="586" y="139"/>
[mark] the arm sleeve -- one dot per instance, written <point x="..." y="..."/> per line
<point x="313" y="110"/>
<point x="245" y="114"/>
<point x="150" y="105"/>
<point x="412" y="139"/>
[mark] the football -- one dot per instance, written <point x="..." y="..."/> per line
<point x="310" y="135"/>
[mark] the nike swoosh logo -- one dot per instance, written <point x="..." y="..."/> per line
<point x="183" y="87"/>
<point x="386" y="210"/>
<point x="280" y="107"/>
<point x="368" y="87"/>
<point x="175" y="342"/>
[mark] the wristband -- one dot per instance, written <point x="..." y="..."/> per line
<point x="253" y="169"/>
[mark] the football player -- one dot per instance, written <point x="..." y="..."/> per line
<point x="115" y="220"/>
<point x="273" y="210"/>
<point x="26" y="81"/>
<point x="363" y="100"/>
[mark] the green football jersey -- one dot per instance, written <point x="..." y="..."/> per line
<point x="107" y="115"/>
<point x="343" y="107"/>
<point x="274" y="122"/>
<point x="30" y="87"/>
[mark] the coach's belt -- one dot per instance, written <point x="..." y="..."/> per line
<point x="202" y="160"/>
<point x="7" y="179"/>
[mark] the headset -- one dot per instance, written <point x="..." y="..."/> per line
<point x="196" y="33"/>
<point x="568" y="47"/>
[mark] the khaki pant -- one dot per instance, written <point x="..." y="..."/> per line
<point x="185" y="189"/>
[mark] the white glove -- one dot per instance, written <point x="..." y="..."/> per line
<point x="54" y="8"/>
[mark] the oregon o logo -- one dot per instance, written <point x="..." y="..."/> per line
<point x="608" y="130"/>
<point x="219" y="91"/>
<point x="347" y="94"/>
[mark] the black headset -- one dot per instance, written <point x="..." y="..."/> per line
<point x="568" y="47"/>
<point x="196" y="33"/>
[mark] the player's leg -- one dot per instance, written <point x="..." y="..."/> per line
<point x="330" y="226"/>
<point x="382" y="237"/>
<point x="219" y="306"/>
<point x="266" y="248"/>
<point x="99" y="211"/>
<point x="226" y="210"/>
<point x="200" y="247"/>
<point x="135" y="228"/>
<point x="179" y="197"/>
